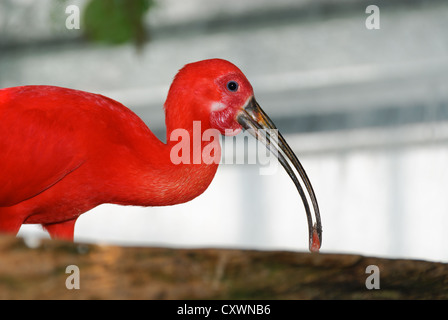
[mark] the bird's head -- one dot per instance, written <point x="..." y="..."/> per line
<point x="217" y="93"/>
<point x="211" y="91"/>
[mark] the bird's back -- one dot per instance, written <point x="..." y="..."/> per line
<point x="48" y="132"/>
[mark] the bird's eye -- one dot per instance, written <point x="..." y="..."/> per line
<point x="232" y="86"/>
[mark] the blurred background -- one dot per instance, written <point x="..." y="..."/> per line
<point x="366" y="111"/>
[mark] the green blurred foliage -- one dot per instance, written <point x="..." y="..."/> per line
<point x="116" y="21"/>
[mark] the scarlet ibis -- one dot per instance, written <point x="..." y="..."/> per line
<point x="64" y="151"/>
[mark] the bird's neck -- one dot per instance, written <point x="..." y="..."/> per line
<point x="176" y="171"/>
<point x="193" y="154"/>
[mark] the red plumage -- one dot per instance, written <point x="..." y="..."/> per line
<point x="64" y="152"/>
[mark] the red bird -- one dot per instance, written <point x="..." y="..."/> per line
<point x="64" y="152"/>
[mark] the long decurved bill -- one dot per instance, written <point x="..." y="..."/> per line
<point x="257" y="123"/>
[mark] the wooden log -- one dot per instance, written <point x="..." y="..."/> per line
<point x="114" y="272"/>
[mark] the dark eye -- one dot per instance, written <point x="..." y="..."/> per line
<point x="232" y="86"/>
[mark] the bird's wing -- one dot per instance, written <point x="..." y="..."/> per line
<point x="35" y="150"/>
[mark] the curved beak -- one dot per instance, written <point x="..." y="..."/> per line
<point x="257" y="123"/>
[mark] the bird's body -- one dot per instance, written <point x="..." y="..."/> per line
<point x="67" y="151"/>
<point x="64" y="152"/>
